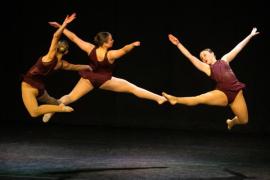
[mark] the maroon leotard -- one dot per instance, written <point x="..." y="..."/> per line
<point x="102" y="70"/>
<point x="225" y="79"/>
<point x="37" y="74"/>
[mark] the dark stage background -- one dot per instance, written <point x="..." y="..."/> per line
<point x="156" y="65"/>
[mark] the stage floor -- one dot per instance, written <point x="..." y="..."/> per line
<point x="85" y="152"/>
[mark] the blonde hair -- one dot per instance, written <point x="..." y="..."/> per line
<point x="62" y="46"/>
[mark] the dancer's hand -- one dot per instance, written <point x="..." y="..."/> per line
<point x="254" y="32"/>
<point x="54" y="24"/>
<point x="70" y="18"/>
<point x="136" y="43"/>
<point x="173" y="39"/>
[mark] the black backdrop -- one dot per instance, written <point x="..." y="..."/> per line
<point x="156" y="65"/>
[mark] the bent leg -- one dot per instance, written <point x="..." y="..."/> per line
<point x="121" y="85"/>
<point x="239" y="108"/>
<point x="214" y="98"/>
<point x="29" y="95"/>
<point x="82" y="87"/>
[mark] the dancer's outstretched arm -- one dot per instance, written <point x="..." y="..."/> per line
<point x="194" y="60"/>
<point x="115" y="54"/>
<point x="231" y="55"/>
<point x="56" y="36"/>
<point x="85" y="46"/>
<point x="75" y="67"/>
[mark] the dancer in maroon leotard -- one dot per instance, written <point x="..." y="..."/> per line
<point x="228" y="89"/>
<point x="33" y="88"/>
<point x="102" y="70"/>
<point x="101" y="61"/>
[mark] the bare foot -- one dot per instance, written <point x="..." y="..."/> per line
<point x="66" y="108"/>
<point x="171" y="99"/>
<point x="162" y="100"/>
<point x="46" y="117"/>
<point x="230" y="124"/>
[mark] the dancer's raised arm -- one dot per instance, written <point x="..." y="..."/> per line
<point x="194" y="60"/>
<point x="56" y="36"/>
<point x="232" y="54"/>
<point x="84" y="45"/>
<point x="115" y="54"/>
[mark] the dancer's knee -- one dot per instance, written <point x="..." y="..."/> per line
<point x="243" y="120"/>
<point x="129" y="88"/>
<point x="34" y="112"/>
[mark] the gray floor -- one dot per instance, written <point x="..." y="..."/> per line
<point x="66" y="152"/>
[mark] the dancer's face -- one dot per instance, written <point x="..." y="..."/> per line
<point x="109" y="42"/>
<point x="207" y="57"/>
